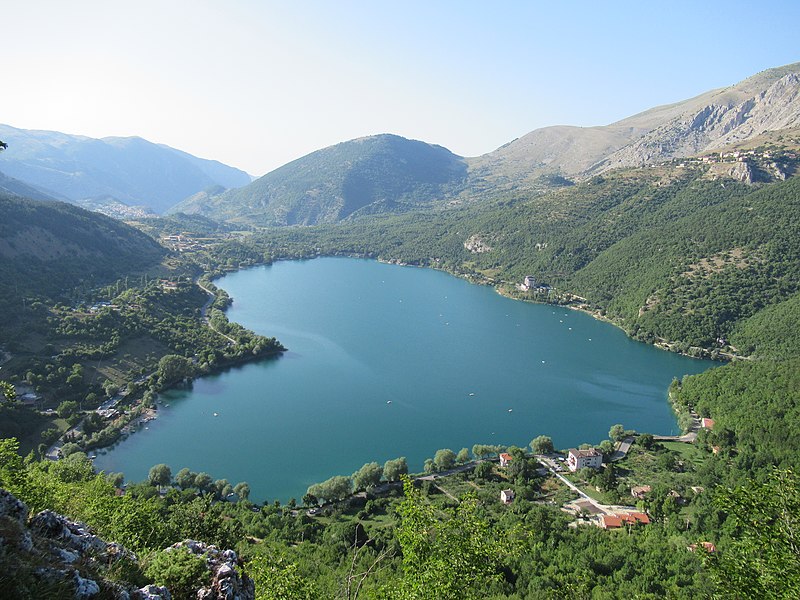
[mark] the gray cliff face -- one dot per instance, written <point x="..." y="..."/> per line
<point x="714" y="126"/>
<point x="767" y="101"/>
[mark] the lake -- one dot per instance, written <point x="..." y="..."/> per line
<point x="387" y="361"/>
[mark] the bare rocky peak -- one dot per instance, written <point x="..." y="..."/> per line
<point x="730" y="117"/>
<point x="767" y="101"/>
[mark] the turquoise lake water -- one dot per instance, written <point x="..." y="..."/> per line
<point x="387" y="361"/>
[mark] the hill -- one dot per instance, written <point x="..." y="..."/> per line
<point x="376" y="174"/>
<point x="389" y="174"/>
<point x="15" y="187"/>
<point x="48" y="249"/>
<point x="767" y="101"/>
<point x="684" y="253"/>
<point x="130" y="170"/>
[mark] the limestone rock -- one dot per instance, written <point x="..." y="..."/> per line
<point x="152" y="592"/>
<point x="226" y="582"/>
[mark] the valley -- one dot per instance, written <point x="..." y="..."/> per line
<point x="678" y="225"/>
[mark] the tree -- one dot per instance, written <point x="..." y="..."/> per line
<point x="483" y="470"/>
<point x="337" y="487"/>
<point x="609" y="478"/>
<point x="115" y="479"/>
<point x="519" y="467"/>
<point x="173" y="368"/>
<point x="762" y="560"/>
<point x="222" y="488"/>
<point x="617" y="432"/>
<point x="69" y="448"/>
<point x="277" y="579"/>
<point x="463" y="456"/>
<point x="66" y="408"/>
<point x="429" y="466"/>
<point x="606" y="447"/>
<point x="185" y="478"/>
<point x="645" y="440"/>
<point x="444" y="459"/>
<point x="542" y="444"/>
<point x="242" y="489"/>
<point x="395" y="468"/>
<point x="179" y="570"/>
<point x="446" y="558"/>
<point x="367" y="476"/>
<point x="203" y="482"/>
<point x="7" y="391"/>
<point x="160" y="475"/>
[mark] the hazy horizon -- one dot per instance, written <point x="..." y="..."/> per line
<point x="256" y="85"/>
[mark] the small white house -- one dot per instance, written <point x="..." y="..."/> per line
<point x="507" y="496"/>
<point x="578" y="459"/>
<point x="505" y="459"/>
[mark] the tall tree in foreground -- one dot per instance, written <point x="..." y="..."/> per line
<point x="449" y="558"/>
<point x="763" y="561"/>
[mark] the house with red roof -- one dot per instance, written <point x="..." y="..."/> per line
<point x="620" y="519"/>
<point x="505" y="459"/>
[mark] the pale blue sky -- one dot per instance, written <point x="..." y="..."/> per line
<point x="256" y="84"/>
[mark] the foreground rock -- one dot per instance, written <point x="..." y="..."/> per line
<point x="50" y="556"/>
<point x="226" y="583"/>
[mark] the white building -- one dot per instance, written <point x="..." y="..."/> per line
<point x="578" y="459"/>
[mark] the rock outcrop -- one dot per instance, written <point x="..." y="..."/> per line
<point x="226" y="582"/>
<point x="50" y="556"/>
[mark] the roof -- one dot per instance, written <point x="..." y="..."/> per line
<point x="508" y="492"/>
<point x="584" y="453"/>
<point x="609" y="521"/>
<point x="707" y="546"/>
<point x="505" y="456"/>
<point x="631" y="518"/>
<point x="636" y="517"/>
<point x="707" y="423"/>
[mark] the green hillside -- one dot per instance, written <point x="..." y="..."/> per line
<point x="48" y="249"/>
<point x="672" y="254"/>
<point x="377" y="174"/>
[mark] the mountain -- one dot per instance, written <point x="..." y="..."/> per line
<point x="49" y="248"/>
<point x="767" y="101"/>
<point x="381" y="173"/>
<point x="131" y="170"/>
<point x="390" y="174"/>
<point x="15" y="187"/>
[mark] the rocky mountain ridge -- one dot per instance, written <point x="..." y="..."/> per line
<point x="767" y="101"/>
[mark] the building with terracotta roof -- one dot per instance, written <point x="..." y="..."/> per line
<point x="707" y="423"/>
<point x="505" y="459"/>
<point x="620" y="519"/>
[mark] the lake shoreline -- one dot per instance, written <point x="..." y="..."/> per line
<point x="538" y="354"/>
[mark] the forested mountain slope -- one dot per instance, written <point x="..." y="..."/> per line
<point x="50" y="248"/>
<point x="376" y="174"/>
<point x="674" y="253"/>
